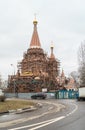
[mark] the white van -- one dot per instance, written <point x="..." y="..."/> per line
<point x="2" y="96"/>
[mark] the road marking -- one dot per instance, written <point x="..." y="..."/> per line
<point x="47" y="122"/>
<point x="56" y="119"/>
<point x="76" y="107"/>
<point x="50" y="108"/>
<point x="4" y="115"/>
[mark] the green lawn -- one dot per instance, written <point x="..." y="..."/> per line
<point x="14" y="104"/>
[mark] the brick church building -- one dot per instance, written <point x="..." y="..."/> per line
<point x="37" y="71"/>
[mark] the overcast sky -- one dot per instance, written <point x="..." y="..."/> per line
<point x="60" y="21"/>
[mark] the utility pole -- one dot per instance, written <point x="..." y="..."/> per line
<point x="14" y="79"/>
<point x="13" y="68"/>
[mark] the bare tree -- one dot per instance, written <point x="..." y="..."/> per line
<point x="81" y="59"/>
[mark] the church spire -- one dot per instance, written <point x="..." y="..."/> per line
<point x="62" y="74"/>
<point x="52" y="55"/>
<point x="35" y="42"/>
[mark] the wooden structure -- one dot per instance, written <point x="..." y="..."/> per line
<point x="36" y="70"/>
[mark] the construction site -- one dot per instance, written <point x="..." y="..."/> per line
<point x="37" y="71"/>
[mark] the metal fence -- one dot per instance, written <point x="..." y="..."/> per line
<point x="61" y="94"/>
<point x="27" y="95"/>
<point x="66" y="94"/>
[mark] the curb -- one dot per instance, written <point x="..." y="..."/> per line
<point x="31" y="108"/>
<point x="6" y="112"/>
<point x="19" y="111"/>
<point x="22" y="110"/>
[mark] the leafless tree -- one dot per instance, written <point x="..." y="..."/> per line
<point x="81" y="59"/>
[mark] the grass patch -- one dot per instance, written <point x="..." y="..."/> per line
<point x="14" y="105"/>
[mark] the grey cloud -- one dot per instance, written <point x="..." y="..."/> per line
<point x="60" y="21"/>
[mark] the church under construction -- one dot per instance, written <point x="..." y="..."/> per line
<point x="37" y="71"/>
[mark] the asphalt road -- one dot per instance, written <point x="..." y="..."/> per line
<point x="70" y="117"/>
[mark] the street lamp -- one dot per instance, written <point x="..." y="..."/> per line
<point x="14" y="83"/>
<point x="14" y="86"/>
